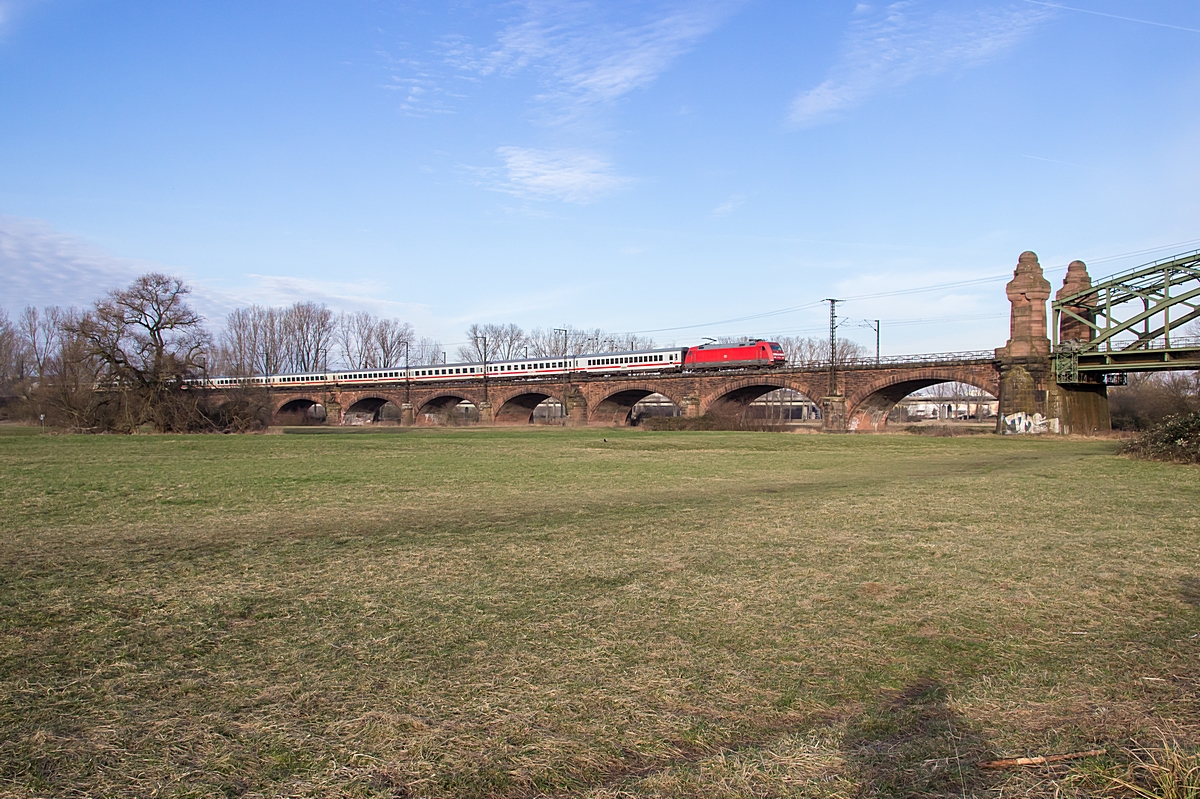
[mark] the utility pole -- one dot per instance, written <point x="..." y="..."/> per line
<point x="874" y="325"/>
<point x="485" y="367"/>
<point x="566" y="376"/>
<point x="832" y="346"/>
<point x="407" y="378"/>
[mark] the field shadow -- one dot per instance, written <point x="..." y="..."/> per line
<point x="910" y="743"/>
<point x="1189" y="590"/>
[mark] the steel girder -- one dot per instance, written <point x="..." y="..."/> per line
<point x="1133" y="317"/>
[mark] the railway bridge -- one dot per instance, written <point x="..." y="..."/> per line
<point x="863" y="396"/>
<point x="1040" y="385"/>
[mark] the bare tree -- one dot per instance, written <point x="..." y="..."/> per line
<point x="547" y="343"/>
<point x="148" y="340"/>
<point x="425" y="352"/>
<point x="13" y="354"/>
<point x="39" y="331"/>
<point x="583" y="340"/>
<point x="72" y="371"/>
<point x="355" y="336"/>
<point x="239" y="344"/>
<point x="391" y="337"/>
<point x="503" y="343"/>
<point x="625" y="342"/>
<point x="307" y="333"/>
<point x="253" y="342"/>
<point x="805" y="351"/>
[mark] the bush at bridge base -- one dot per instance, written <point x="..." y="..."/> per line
<point x="712" y="421"/>
<point x="1175" y="439"/>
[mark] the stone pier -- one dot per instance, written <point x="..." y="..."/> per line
<point x="1031" y="401"/>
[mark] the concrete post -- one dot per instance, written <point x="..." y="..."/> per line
<point x="691" y="406"/>
<point x="407" y="417"/>
<point x="486" y="414"/>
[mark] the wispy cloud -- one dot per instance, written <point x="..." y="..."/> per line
<point x="890" y="45"/>
<point x="44" y="266"/>
<point x="567" y="175"/>
<point x="589" y="54"/>
<point x="419" y="87"/>
<point x="729" y="206"/>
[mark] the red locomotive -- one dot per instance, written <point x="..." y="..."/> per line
<point x="752" y="352"/>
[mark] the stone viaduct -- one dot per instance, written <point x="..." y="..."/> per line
<point x="864" y="394"/>
<point x="853" y="397"/>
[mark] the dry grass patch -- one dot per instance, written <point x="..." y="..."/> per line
<point x="521" y="613"/>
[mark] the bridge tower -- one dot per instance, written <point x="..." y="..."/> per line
<point x="1030" y="398"/>
<point x="1080" y="407"/>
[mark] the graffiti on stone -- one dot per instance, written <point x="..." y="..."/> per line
<point x="1022" y="423"/>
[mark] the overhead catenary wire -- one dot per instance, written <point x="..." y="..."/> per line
<point x="903" y="292"/>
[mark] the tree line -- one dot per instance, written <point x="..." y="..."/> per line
<point x="121" y="365"/>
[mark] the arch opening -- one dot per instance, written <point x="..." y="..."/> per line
<point x="937" y="401"/>
<point x="520" y="409"/>
<point x="372" y="410"/>
<point x="550" y="411"/>
<point x="448" y="409"/>
<point x="632" y="406"/>
<point x="301" y="411"/>
<point x="783" y="406"/>
<point x="757" y="401"/>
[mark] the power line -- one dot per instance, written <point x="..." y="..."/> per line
<point x="903" y="292"/>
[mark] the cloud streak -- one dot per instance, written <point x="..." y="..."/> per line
<point x="729" y="206"/>
<point x="585" y="54"/>
<point x="567" y="175"/>
<point x="43" y="266"/>
<point x="891" y="45"/>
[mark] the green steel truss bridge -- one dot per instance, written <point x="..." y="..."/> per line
<point x="1131" y="322"/>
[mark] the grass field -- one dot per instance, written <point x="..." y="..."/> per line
<point x="463" y="613"/>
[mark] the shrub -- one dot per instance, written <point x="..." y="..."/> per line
<point x="1175" y="439"/>
<point x="712" y="421"/>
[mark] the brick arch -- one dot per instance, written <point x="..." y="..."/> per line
<point x="517" y="407"/>
<point x="736" y="395"/>
<point x="440" y="402"/>
<point x="616" y="404"/>
<point x="284" y="400"/>
<point x="868" y="406"/>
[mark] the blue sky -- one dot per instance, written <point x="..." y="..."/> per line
<point x="631" y="166"/>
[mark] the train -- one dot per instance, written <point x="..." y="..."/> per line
<point x="750" y="353"/>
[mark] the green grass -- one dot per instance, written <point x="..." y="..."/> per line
<point x="523" y="612"/>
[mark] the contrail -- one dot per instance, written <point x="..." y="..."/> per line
<point x="1113" y="16"/>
